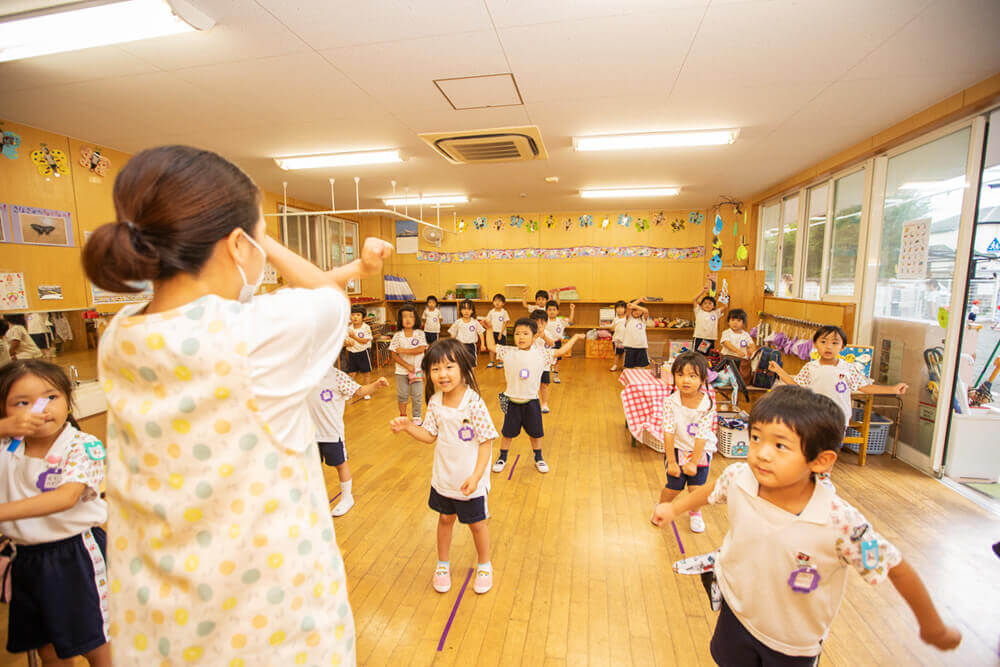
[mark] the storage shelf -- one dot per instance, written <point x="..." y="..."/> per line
<point x="648" y="329"/>
<point x="566" y="302"/>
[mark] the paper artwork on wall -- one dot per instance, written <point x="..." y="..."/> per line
<point x="100" y="296"/>
<point x="41" y="226"/>
<point x="12" y="294"/>
<point x="493" y="254"/>
<point x="407" y="239"/>
<point x="50" y="292"/>
<point x="9" y="141"/>
<point x="50" y="161"/>
<point x="92" y="159"/>
<point x="913" y="249"/>
<point x="270" y="274"/>
<point x="4" y="224"/>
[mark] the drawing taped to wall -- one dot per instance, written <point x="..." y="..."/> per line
<point x="12" y="294"/>
<point x="41" y="226"/>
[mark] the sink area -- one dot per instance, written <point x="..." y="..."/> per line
<point x="88" y="399"/>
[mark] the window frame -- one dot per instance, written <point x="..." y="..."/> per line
<point x="320" y="255"/>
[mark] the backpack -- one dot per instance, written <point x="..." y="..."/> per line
<point x="762" y="377"/>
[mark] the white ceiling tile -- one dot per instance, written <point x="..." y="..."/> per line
<point x="449" y="120"/>
<point x="721" y="105"/>
<point x="330" y="25"/>
<point x="477" y="92"/>
<point x="510" y="13"/>
<point x="401" y="74"/>
<point x="98" y="63"/>
<point x="621" y="55"/>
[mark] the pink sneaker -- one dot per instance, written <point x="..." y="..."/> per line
<point x="442" y="580"/>
<point x="484" y="581"/>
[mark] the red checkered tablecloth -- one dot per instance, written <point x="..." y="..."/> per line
<point x="642" y="399"/>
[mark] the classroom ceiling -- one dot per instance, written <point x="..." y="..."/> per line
<point x="802" y="79"/>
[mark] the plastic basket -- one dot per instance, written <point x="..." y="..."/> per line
<point x="600" y="349"/>
<point x="734" y="443"/>
<point x="878" y="433"/>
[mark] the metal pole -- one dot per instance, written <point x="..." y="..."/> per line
<point x="333" y="196"/>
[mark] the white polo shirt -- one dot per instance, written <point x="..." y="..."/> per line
<point x="467" y="332"/>
<point x="498" y="320"/>
<point x="523" y="370"/>
<point x="432" y="320"/>
<point x="556" y="328"/>
<point x="400" y="343"/>
<point x="741" y="341"/>
<point x="618" y="328"/>
<point x="688" y="425"/>
<point x="834" y="381"/>
<point x="635" y="332"/>
<point x="706" y="324"/>
<point x="762" y="557"/>
<point x="326" y="404"/>
<point x="459" y="433"/>
<point x="365" y="332"/>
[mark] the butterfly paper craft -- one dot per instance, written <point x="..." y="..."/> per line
<point x="658" y="219"/>
<point x="549" y="222"/>
<point x="92" y="159"/>
<point x="50" y="161"/>
<point x="677" y="225"/>
<point x="624" y="220"/>
<point x="9" y="141"/>
<point x="479" y="223"/>
<point x="696" y="218"/>
<point x="42" y="230"/>
<point x="586" y="221"/>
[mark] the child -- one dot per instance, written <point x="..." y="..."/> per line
<point x="689" y="423"/>
<point x="432" y="320"/>
<point x="359" y="341"/>
<point x="542" y="341"/>
<point x="634" y="338"/>
<point x="407" y="349"/>
<point x="783" y="565"/>
<point x="832" y="376"/>
<point x="497" y="319"/>
<point x="50" y="506"/>
<point x="460" y="425"/>
<point x="468" y="330"/>
<point x="556" y="329"/>
<point x="525" y="364"/>
<point x="326" y="406"/>
<point x="618" y="334"/>
<point x="735" y="341"/>
<point x="541" y="298"/>
<point x="706" y="320"/>
<point x="21" y="344"/>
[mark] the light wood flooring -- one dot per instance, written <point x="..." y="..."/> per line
<point x="582" y="578"/>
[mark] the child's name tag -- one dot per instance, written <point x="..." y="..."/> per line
<point x="95" y="450"/>
<point x="869" y="554"/>
<point x="49" y="479"/>
<point x="804" y="579"/>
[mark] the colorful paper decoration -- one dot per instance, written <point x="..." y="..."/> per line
<point x="461" y="226"/>
<point x="718" y="224"/>
<point x="92" y="159"/>
<point x="532" y="226"/>
<point x="549" y="222"/>
<point x="9" y="141"/>
<point x="658" y="219"/>
<point x="641" y="225"/>
<point x="50" y="161"/>
<point x="41" y="226"/>
<point x="492" y="254"/>
<point x="480" y="222"/>
<point x="12" y="294"/>
<point x="677" y="225"/>
<point x="516" y="221"/>
<point x="586" y="221"/>
<point x="624" y="220"/>
<point x="498" y="224"/>
<point x="724" y="292"/>
<point x="605" y="222"/>
<point x="696" y="218"/>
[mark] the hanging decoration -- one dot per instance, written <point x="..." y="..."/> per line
<point x="658" y="219"/>
<point x="693" y="252"/>
<point x="605" y="222"/>
<point x="741" y="252"/>
<point x="641" y="225"/>
<point x="717" y="229"/>
<point x="715" y="262"/>
<point x="532" y="226"/>
<point x="516" y="221"/>
<point x="92" y="159"/>
<point x="624" y="220"/>
<point x="724" y="292"/>
<point x="586" y="221"/>
<point x="677" y="225"/>
<point x="9" y="141"/>
<point x="498" y="224"/>
<point x="696" y="217"/>
<point x="549" y="222"/>
<point x="480" y="222"/>
<point x="50" y="161"/>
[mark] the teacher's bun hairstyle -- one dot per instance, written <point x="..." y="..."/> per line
<point x="172" y="204"/>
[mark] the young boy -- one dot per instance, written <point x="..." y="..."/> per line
<point x="359" y="341"/>
<point x="706" y="320"/>
<point x="617" y="329"/>
<point x="432" y="320"/>
<point x="832" y="376"/>
<point x="524" y="365"/>
<point x="542" y="340"/>
<point x="783" y="564"/>
<point x="634" y="338"/>
<point x="326" y="406"/>
<point x="497" y="320"/>
<point x="735" y="341"/>
<point x="556" y="328"/>
<point x="541" y="298"/>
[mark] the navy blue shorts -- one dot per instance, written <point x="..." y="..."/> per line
<point x="635" y="357"/>
<point x="59" y="595"/>
<point x="473" y="350"/>
<point x="733" y="646"/>
<point x="472" y="510"/>
<point x="619" y="348"/>
<point x="333" y="453"/>
<point x="546" y="378"/>
<point x="358" y="362"/>
<point x="678" y="483"/>
<point x="500" y="338"/>
<point x="523" y="415"/>
<point x="430" y="337"/>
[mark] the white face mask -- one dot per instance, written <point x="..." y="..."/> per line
<point x="248" y="290"/>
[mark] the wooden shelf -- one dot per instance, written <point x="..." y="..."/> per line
<point x="595" y="326"/>
<point x="565" y="303"/>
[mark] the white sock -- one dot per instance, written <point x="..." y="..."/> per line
<point x="345" y="488"/>
<point x="486" y="567"/>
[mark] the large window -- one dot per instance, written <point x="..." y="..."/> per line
<point x="770" y="224"/>
<point x="816" y="217"/>
<point x="845" y="234"/>
<point x="325" y="241"/>
<point x="789" y="236"/>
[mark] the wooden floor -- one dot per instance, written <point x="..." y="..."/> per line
<point x="581" y="575"/>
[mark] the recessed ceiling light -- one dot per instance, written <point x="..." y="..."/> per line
<point x="88" y="24"/>
<point x="630" y="192"/>
<point x="611" y="142"/>
<point x="338" y="159"/>
<point x="551" y="179"/>
<point x="428" y="200"/>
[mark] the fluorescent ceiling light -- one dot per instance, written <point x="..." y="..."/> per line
<point x="629" y="192"/>
<point x="430" y="200"/>
<point x="338" y="159"/>
<point x="87" y="24"/>
<point x="612" y="142"/>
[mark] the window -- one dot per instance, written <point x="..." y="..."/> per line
<point x="790" y="228"/>
<point x="845" y="233"/>
<point x="816" y="216"/>
<point x="325" y="241"/>
<point x="770" y="221"/>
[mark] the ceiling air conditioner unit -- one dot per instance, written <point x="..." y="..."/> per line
<point x="432" y="235"/>
<point x="509" y="144"/>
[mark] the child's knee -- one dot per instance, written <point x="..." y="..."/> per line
<point x="447" y="519"/>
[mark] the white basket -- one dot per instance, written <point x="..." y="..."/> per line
<point x="734" y="443"/>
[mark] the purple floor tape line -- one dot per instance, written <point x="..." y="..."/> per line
<point x="678" y="536"/>
<point x="335" y="497"/>
<point x="513" y="466"/>
<point x="454" y="610"/>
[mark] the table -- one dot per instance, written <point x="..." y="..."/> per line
<point x="642" y="400"/>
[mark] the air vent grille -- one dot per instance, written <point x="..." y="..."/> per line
<point x="484" y="146"/>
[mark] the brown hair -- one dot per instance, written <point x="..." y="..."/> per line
<point x="173" y="204"/>
<point x="54" y="375"/>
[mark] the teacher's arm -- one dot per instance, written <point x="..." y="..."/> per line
<point x="300" y="272"/>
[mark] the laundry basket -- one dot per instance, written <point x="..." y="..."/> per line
<point x="734" y="441"/>
<point x="878" y="433"/>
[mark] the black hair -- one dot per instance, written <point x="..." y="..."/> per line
<point x="541" y="294"/>
<point x="467" y="303"/>
<point x="551" y="303"/>
<point x="448" y="348"/>
<point x="527" y="322"/>
<point x="539" y="315"/>
<point x="621" y="304"/>
<point x="737" y="314"/>
<point x="431" y="298"/>
<point x="359" y="309"/>
<point x="406" y="308"/>
<point x="815" y="418"/>
<point x="829" y="329"/>
<point x="502" y="298"/>
<point x="4" y="326"/>
<point x="16" y="319"/>
<point x="54" y="375"/>
<point x="697" y="361"/>
<point x="708" y="298"/>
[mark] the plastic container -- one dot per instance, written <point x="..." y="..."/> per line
<point x="734" y="443"/>
<point x="600" y="349"/>
<point x="878" y="433"/>
<point x="467" y="291"/>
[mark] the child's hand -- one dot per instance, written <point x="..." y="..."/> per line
<point x="524" y="291"/>
<point x="673" y="469"/>
<point x="382" y="382"/>
<point x="774" y="366"/>
<point x="21" y="424"/>
<point x="373" y="252"/>
<point x="901" y="388"/>
<point x="469" y="485"/>
<point x="690" y="468"/>
<point x="944" y="638"/>
<point x="663" y="514"/>
<point x="399" y="424"/>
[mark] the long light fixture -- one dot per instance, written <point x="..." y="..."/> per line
<point x="614" y="142"/>
<point x="338" y="159"/>
<point x="427" y="200"/>
<point x="82" y="25"/>
<point x="629" y="192"/>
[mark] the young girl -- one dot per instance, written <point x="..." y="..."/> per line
<point x="432" y="320"/>
<point x="227" y="549"/>
<point x="358" y="343"/>
<point x="407" y="349"/>
<point x="634" y="337"/>
<point x="497" y="318"/>
<point x="468" y="330"/>
<point x="706" y="320"/>
<point x="689" y="424"/>
<point x="618" y="333"/>
<point x="459" y="424"/>
<point x="21" y="344"/>
<point x="50" y="506"/>
<point x="735" y="341"/>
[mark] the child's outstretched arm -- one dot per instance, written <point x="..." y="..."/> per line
<point x="420" y="434"/>
<point x="50" y="502"/>
<point x="483" y="457"/>
<point x="491" y="344"/>
<point x="524" y="299"/>
<point x="299" y="272"/>
<point x="704" y="290"/>
<point x="572" y="315"/>
<point x="371" y="387"/>
<point x="634" y="305"/>
<point x="932" y="628"/>
<point x="776" y="368"/>
<point x="688" y="502"/>
<point x="568" y="345"/>
<point x="894" y="389"/>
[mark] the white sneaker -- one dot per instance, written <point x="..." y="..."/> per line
<point x="542" y="465"/>
<point x="499" y="465"/>
<point x="345" y="504"/>
<point x="555" y="378"/>
<point x="545" y="409"/>
<point x="483" y="582"/>
<point x="613" y="368"/>
<point x="417" y="421"/>
<point x="697" y="523"/>
<point x="489" y="365"/>
<point x="368" y="398"/>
